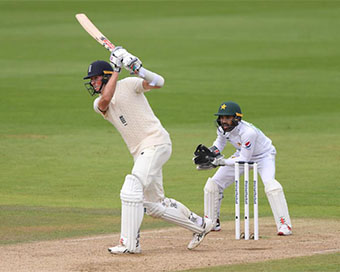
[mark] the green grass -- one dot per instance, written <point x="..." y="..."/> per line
<point x="62" y="165"/>
<point x="316" y="263"/>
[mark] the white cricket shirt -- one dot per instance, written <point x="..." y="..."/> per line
<point x="130" y="113"/>
<point x="250" y="142"/>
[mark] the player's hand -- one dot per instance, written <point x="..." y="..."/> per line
<point x="116" y="58"/>
<point x="219" y="161"/>
<point x="132" y="63"/>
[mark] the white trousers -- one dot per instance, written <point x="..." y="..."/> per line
<point x="148" y="169"/>
<point x="225" y="175"/>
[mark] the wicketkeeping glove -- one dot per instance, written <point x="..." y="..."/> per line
<point x="204" y="157"/>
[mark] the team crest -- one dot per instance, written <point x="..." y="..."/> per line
<point x="223" y="106"/>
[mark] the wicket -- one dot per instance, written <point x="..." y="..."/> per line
<point x="255" y="236"/>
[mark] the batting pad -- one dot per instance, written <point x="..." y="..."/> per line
<point x="178" y="214"/>
<point x="278" y="203"/>
<point x="174" y="212"/>
<point x="131" y="196"/>
<point x="211" y="200"/>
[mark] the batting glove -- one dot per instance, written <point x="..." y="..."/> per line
<point x="132" y="63"/>
<point x="116" y="58"/>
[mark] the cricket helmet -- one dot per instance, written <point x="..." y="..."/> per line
<point x="229" y="108"/>
<point x="98" y="68"/>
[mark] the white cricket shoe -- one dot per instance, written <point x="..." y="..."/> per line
<point x="198" y="237"/>
<point x="285" y="230"/>
<point x="121" y="249"/>
<point x="217" y="226"/>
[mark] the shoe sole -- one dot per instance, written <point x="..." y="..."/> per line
<point x="216" y="230"/>
<point x="124" y="252"/>
<point x="283" y="234"/>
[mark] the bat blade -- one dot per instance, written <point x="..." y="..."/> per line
<point x="94" y="32"/>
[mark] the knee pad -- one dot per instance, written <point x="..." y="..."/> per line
<point x="132" y="190"/>
<point x="172" y="203"/>
<point x="154" y="209"/>
<point x="157" y="209"/>
<point x="271" y="186"/>
<point x="211" y="186"/>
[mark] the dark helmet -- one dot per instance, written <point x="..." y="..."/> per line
<point x="98" y="68"/>
<point x="229" y="108"/>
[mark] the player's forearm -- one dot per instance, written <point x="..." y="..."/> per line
<point x="231" y="160"/>
<point x="134" y="66"/>
<point x="220" y="143"/>
<point x="108" y="92"/>
<point x="153" y="79"/>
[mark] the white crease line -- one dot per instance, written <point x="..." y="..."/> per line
<point x="112" y="236"/>
<point x="177" y="238"/>
<point x="90" y="238"/>
<point x="327" y="251"/>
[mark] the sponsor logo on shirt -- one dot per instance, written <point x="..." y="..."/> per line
<point x="248" y="145"/>
<point x="122" y="119"/>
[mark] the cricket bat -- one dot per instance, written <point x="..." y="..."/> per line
<point x="94" y="32"/>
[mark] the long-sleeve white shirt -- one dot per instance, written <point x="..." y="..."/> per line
<point x="250" y="143"/>
<point x="130" y="113"/>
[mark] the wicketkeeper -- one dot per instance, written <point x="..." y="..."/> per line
<point x="124" y="105"/>
<point x="251" y="145"/>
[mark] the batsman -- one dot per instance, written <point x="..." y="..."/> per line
<point x="124" y="104"/>
<point x="251" y="145"/>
